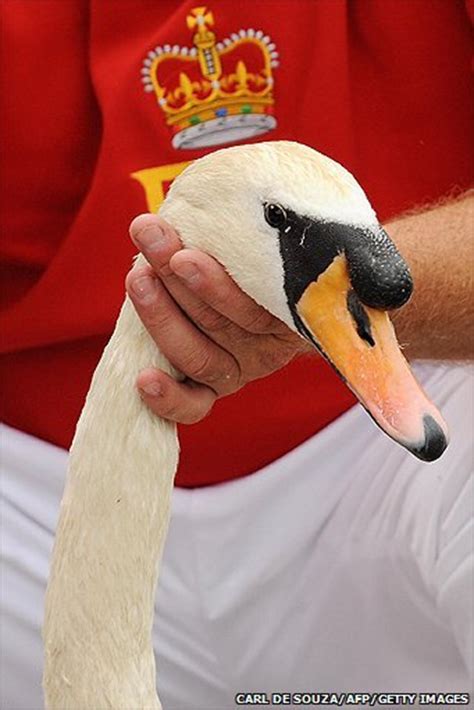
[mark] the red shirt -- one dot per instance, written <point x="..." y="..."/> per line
<point x="382" y="87"/>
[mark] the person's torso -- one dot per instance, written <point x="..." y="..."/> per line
<point x="104" y="107"/>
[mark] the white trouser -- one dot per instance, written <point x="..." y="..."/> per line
<point x="344" y="566"/>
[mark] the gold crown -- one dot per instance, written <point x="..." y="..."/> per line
<point x="214" y="92"/>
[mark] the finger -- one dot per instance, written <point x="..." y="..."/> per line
<point x="180" y="402"/>
<point x="205" y="277"/>
<point x="156" y="239"/>
<point x="222" y="302"/>
<point x="188" y="349"/>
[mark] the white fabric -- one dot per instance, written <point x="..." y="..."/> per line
<point x="344" y="566"/>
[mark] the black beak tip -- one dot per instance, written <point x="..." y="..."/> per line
<point x="435" y="441"/>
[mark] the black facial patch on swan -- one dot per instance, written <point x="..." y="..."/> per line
<point x="378" y="274"/>
<point x="307" y="248"/>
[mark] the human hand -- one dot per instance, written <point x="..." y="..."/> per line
<point x="209" y="330"/>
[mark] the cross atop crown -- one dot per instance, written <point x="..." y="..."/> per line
<point x="200" y="17"/>
<point x="205" y="41"/>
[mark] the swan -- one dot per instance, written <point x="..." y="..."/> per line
<point x="297" y="233"/>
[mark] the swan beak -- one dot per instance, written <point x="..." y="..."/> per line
<point x="360" y="343"/>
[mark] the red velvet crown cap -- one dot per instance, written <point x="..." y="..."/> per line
<point x="384" y="88"/>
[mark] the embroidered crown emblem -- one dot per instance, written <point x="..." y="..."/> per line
<point x="214" y="92"/>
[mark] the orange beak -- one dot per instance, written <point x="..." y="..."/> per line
<point x="360" y="343"/>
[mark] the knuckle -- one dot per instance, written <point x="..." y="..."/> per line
<point x="200" y="366"/>
<point x="219" y="373"/>
<point x="158" y="318"/>
<point x="210" y="320"/>
<point x="260" y="321"/>
<point x="160" y="314"/>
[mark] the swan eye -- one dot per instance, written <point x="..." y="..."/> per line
<point x="275" y="215"/>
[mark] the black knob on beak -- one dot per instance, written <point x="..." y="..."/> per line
<point x="378" y="273"/>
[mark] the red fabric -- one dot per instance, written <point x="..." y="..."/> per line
<point x="383" y="87"/>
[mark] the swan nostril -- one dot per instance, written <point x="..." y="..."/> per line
<point x="435" y="440"/>
<point x="360" y="317"/>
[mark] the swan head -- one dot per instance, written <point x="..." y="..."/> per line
<point x="295" y="230"/>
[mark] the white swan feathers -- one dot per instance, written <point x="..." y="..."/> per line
<point x="262" y="210"/>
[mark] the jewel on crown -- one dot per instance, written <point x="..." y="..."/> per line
<point x="214" y="92"/>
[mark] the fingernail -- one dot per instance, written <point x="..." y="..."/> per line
<point x="144" y="288"/>
<point x="152" y="389"/>
<point x="187" y="271"/>
<point x="151" y="238"/>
